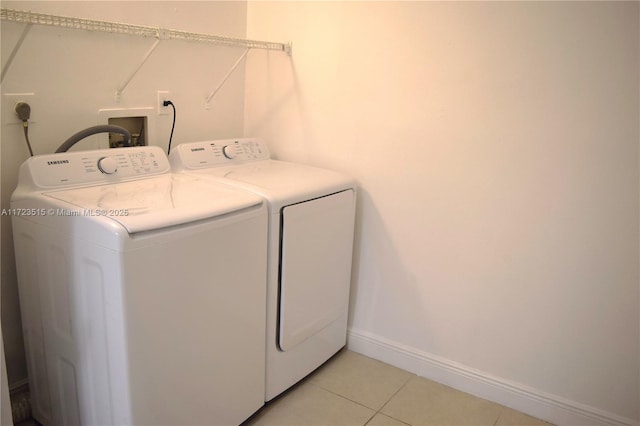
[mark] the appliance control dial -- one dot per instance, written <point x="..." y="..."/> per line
<point x="108" y="165"/>
<point x="230" y="151"/>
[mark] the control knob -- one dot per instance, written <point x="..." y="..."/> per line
<point x="230" y="151"/>
<point x="108" y="165"/>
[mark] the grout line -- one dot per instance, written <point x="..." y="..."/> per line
<point x="343" y="397"/>
<point x="309" y="380"/>
<point x="375" y="412"/>
<point x="392" y="396"/>
<point x="370" y="418"/>
<point x="359" y="403"/>
<point x="399" y="389"/>
<point x="350" y="400"/>
<point x="397" y="420"/>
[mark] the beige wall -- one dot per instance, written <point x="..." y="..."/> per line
<point x="496" y="148"/>
<point x="75" y="73"/>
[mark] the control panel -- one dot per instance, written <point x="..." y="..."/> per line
<point x="199" y="155"/>
<point x="85" y="167"/>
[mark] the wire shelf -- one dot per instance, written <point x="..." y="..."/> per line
<point x="135" y="30"/>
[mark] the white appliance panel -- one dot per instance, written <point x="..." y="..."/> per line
<point x="208" y="343"/>
<point x="317" y="242"/>
<point x="169" y="331"/>
<point x="69" y="169"/>
<point x="159" y="319"/>
<point x="28" y="270"/>
<point x="307" y="295"/>
<point x="207" y="154"/>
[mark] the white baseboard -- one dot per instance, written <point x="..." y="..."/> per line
<point x="551" y="408"/>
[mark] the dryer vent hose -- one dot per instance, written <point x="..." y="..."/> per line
<point x="92" y="131"/>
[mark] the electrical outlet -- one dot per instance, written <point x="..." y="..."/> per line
<point x="9" y="102"/>
<point x="163" y="95"/>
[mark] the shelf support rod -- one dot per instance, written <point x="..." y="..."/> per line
<point x="144" y="59"/>
<point x="233" y="68"/>
<point x="15" y="50"/>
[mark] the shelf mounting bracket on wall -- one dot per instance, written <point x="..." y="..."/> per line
<point x="144" y="59"/>
<point x="31" y="18"/>
<point x="15" y="49"/>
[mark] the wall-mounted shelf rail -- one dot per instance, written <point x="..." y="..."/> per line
<point x="31" y="18"/>
<point x="135" y="30"/>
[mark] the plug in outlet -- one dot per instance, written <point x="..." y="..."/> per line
<point x="9" y="102"/>
<point x="163" y="95"/>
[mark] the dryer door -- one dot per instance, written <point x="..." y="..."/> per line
<point x="315" y="266"/>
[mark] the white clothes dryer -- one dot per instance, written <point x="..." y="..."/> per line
<point x="142" y="292"/>
<point x="311" y="225"/>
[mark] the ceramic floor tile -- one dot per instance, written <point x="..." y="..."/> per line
<point x="510" y="417"/>
<point x="309" y="405"/>
<point x="424" y="402"/>
<point x="382" y="420"/>
<point x="360" y="379"/>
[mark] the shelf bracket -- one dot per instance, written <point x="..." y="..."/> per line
<point x="144" y="59"/>
<point x="15" y="50"/>
<point x="226" y="77"/>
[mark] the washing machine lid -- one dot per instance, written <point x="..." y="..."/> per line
<point x="156" y="202"/>
<point x="283" y="183"/>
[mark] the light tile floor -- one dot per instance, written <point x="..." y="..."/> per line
<point x="353" y="390"/>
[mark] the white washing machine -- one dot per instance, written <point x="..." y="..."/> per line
<point x="311" y="224"/>
<point x="142" y="292"/>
